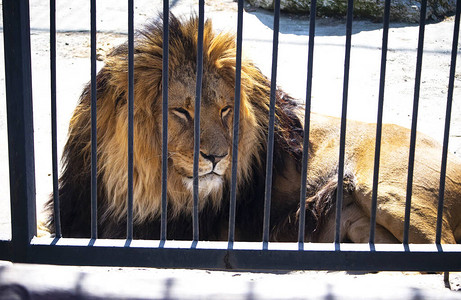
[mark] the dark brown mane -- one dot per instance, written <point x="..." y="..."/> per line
<point x="321" y="200"/>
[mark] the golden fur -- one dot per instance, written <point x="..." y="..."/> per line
<point x="216" y="123"/>
<point x="392" y="186"/>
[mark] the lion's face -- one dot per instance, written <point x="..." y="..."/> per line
<point x="216" y="115"/>
<point x="216" y="122"/>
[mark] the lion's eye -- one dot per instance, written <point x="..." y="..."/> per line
<point x="182" y="113"/>
<point x="225" y="112"/>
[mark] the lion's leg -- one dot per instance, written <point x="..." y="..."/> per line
<point x="422" y="227"/>
<point x="358" y="231"/>
<point x="390" y="216"/>
<point x="356" y="225"/>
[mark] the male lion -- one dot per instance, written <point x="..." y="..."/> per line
<point x="216" y="122"/>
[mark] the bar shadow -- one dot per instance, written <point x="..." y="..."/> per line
<point x="169" y="282"/>
<point x="416" y="294"/>
<point x="251" y="293"/>
<point x="298" y="24"/>
<point x="329" y="295"/>
<point x="14" y="291"/>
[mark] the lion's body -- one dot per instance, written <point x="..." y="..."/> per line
<point x="216" y="125"/>
<point x="392" y="187"/>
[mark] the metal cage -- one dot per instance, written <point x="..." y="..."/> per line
<point x="25" y="247"/>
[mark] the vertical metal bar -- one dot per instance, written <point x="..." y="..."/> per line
<point x="307" y="115"/>
<point x="342" y="140"/>
<point x="129" y="223"/>
<point x="164" y="217"/>
<point x="54" y="139"/>
<point x="198" y="96"/>
<point x="18" y="79"/>
<point x="446" y="136"/>
<point x="235" y="136"/>
<point x="94" y="179"/>
<point x="411" y="159"/>
<point x="379" y="122"/>
<point x="270" y="138"/>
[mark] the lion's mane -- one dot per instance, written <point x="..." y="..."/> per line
<point x="112" y="126"/>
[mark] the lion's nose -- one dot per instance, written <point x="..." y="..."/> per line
<point x="213" y="158"/>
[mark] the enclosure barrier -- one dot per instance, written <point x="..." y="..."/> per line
<point x="25" y="247"/>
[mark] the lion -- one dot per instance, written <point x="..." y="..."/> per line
<point x="214" y="170"/>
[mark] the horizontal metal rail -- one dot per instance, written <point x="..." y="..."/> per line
<point x="244" y="256"/>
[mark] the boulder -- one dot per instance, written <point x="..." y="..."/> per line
<point x="401" y="10"/>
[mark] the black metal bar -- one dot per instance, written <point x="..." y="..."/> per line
<point x="129" y="229"/>
<point x="198" y="96"/>
<point x="270" y="137"/>
<point x="379" y="122"/>
<point x="94" y="179"/>
<point x="235" y="136"/>
<point x="279" y="256"/>
<point x="342" y="140"/>
<point x="18" y="78"/>
<point x="446" y="136"/>
<point x="411" y="158"/>
<point x="6" y="252"/>
<point x="54" y="131"/>
<point x="164" y="217"/>
<point x="307" y="115"/>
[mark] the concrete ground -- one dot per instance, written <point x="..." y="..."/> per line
<point x="73" y="72"/>
<point x="57" y="282"/>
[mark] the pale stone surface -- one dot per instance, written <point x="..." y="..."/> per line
<point x="95" y="283"/>
<point x="401" y="10"/>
